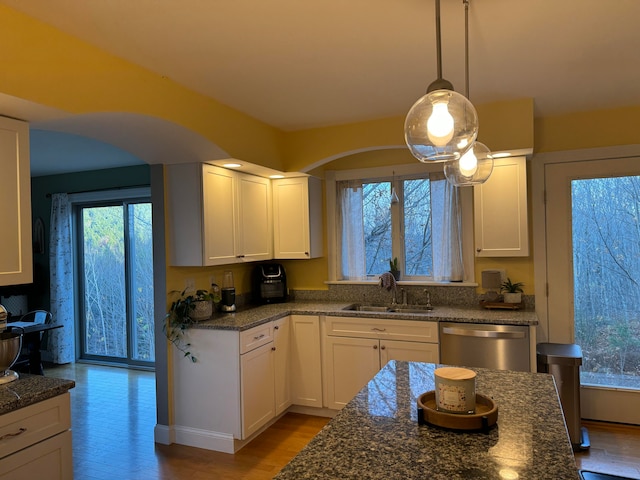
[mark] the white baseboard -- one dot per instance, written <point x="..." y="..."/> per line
<point x="318" y="412"/>
<point x="163" y="434"/>
<point x="194" y="437"/>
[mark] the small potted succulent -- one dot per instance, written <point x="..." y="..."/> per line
<point x="512" y="292"/>
<point x="393" y="268"/>
<point x="188" y="309"/>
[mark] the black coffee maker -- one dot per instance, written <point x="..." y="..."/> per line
<point x="269" y="283"/>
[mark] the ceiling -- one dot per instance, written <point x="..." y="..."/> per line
<point x="301" y="64"/>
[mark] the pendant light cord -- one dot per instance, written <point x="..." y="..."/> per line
<point x="466" y="47"/>
<point x="438" y="40"/>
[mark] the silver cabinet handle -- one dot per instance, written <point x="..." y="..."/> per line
<point x="259" y="337"/>
<point x="20" y="431"/>
<point x="463" y="332"/>
<point x="375" y="329"/>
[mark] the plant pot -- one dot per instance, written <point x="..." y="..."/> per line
<point x="512" y="297"/>
<point x="396" y="274"/>
<point x="202" y="311"/>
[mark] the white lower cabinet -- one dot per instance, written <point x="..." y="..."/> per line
<point x="258" y="393"/>
<point x="356" y="349"/>
<point x="240" y="382"/>
<point x="264" y="372"/>
<point x="35" y="441"/>
<point x="282" y="364"/>
<point x="306" y="361"/>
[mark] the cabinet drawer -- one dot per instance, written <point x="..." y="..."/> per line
<point x="32" y="424"/>
<point x="256" y="337"/>
<point x="390" y="329"/>
<point x="51" y="459"/>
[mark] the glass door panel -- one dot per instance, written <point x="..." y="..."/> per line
<point x="116" y="276"/>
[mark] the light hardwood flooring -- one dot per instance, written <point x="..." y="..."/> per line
<point x="113" y="417"/>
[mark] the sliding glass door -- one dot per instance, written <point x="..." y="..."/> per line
<point x="115" y="265"/>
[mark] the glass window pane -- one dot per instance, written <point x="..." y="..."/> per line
<point x="143" y="345"/>
<point x="417" y="227"/>
<point x="377" y="226"/>
<point x="104" y="282"/>
<point x="606" y="264"/>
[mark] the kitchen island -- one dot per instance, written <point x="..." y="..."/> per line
<point x="35" y="428"/>
<point x="377" y="435"/>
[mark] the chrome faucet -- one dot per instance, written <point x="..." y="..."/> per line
<point x="428" y="295"/>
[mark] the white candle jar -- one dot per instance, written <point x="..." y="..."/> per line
<point x="455" y="390"/>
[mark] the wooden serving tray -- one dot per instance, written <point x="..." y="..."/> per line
<point x="502" y="305"/>
<point x="485" y="417"/>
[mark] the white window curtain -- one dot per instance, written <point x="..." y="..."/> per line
<point x="351" y="226"/>
<point x="448" y="265"/>
<point x="61" y="345"/>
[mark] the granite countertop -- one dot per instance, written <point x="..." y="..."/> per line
<point x="29" y="389"/>
<point x="377" y="436"/>
<point x="247" y="318"/>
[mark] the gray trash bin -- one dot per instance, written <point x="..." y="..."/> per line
<point x="563" y="362"/>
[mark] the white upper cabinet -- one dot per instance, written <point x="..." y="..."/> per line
<point x="217" y="216"/>
<point x="16" y="260"/>
<point x="297" y="212"/>
<point x="500" y="206"/>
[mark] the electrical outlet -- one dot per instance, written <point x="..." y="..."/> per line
<point x="190" y="284"/>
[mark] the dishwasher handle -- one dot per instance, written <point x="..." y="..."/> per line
<point x="469" y="332"/>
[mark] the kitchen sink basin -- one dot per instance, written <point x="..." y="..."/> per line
<point x="390" y="308"/>
<point x="411" y="309"/>
<point x="367" y="308"/>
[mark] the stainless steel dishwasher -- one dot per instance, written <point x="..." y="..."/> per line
<point x="501" y="347"/>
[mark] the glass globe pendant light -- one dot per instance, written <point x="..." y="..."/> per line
<point x="443" y="124"/>
<point x="473" y="168"/>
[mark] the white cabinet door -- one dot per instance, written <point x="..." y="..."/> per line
<point x="408" y="352"/>
<point x="258" y="395"/>
<point x="50" y="459"/>
<point x="297" y="212"/>
<point x="219" y="215"/>
<point x="282" y="359"/>
<point x="306" y="364"/>
<point x="350" y="364"/>
<point x="500" y="210"/>
<point x="16" y="257"/>
<point x="254" y="224"/>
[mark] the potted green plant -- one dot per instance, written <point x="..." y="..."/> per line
<point x="512" y="292"/>
<point x="188" y="309"/>
<point x="393" y="268"/>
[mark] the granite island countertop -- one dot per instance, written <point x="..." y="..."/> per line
<point x="29" y="389"/>
<point x="377" y="435"/>
<point x="247" y="318"/>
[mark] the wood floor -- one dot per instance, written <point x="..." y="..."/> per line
<point x="113" y="416"/>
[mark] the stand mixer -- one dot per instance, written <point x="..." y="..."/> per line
<point x="10" y="346"/>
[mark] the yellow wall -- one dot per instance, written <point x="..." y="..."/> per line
<point x="575" y="131"/>
<point x="46" y="66"/>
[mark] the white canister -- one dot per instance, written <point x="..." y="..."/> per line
<point x="455" y="390"/>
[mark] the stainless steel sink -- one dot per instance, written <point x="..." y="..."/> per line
<point x="412" y="309"/>
<point x="367" y="308"/>
<point x="419" y="309"/>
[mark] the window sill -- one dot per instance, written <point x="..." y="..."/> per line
<point x="376" y="281"/>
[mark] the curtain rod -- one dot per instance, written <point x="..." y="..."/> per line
<point x="102" y="189"/>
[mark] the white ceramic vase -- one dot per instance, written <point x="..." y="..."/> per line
<point x="512" y="297"/>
